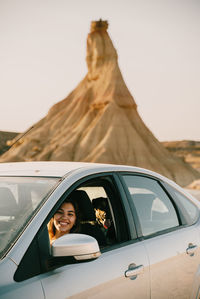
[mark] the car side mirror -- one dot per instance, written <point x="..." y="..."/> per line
<point x="80" y="246"/>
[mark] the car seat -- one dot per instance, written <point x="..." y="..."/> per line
<point x="8" y="209"/>
<point x="88" y="221"/>
<point x="143" y="203"/>
<point x="8" y="204"/>
<point x="101" y="204"/>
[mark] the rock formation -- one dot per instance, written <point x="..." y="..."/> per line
<point x="98" y="122"/>
<point x="4" y="137"/>
<point x="188" y="150"/>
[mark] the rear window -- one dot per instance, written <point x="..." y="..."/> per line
<point x="188" y="209"/>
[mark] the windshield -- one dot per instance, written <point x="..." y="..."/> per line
<point x="20" y="198"/>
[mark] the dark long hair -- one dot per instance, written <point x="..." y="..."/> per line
<point x="75" y="228"/>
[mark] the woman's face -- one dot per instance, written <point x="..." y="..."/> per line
<point x="65" y="218"/>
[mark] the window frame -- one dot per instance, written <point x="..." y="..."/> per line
<point x="39" y="248"/>
<point x="170" y="191"/>
<point x="162" y="184"/>
<point x="107" y="184"/>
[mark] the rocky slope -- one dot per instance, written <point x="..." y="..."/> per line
<point x="4" y="137"/>
<point x="189" y="150"/>
<point x="99" y="122"/>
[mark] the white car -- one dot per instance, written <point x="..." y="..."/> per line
<point x="143" y="242"/>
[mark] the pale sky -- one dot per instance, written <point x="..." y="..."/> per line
<point x="43" y="50"/>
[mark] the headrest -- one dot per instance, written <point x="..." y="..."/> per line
<point x="101" y="203"/>
<point x="8" y="204"/>
<point x="84" y="204"/>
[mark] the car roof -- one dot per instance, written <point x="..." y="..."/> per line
<point x="59" y="169"/>
<point x="36" y="168"/>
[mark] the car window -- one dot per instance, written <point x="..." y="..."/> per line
<point x="99" y="212"/>
<point x="103" y="215"/>
<point x="154" y="208"/>
<point x="188" y="209"/>
<point x="19" y="199"/>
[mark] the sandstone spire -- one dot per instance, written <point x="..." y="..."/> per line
<point x="98" y="121"/>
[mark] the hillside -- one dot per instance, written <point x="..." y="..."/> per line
<point x="99" y="122"/>
<point x="189" y="150"/>
<point x="4" y="137"/>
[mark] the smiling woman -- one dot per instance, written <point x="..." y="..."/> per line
<point x="64" y="221"/>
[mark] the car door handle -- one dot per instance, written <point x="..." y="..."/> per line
<point x="134" y="271"/>
<point x="191" y="249"/>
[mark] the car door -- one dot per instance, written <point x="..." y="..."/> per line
<point x="172" y="245"/>
<point x="104" y="277"/>
<point x="172" y="268"/>
<point x="122" y="270"/>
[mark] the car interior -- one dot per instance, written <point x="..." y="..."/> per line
<point x="8" y="211"/>
<point x="153" y="213"/>
<point x="101" y="216"/>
